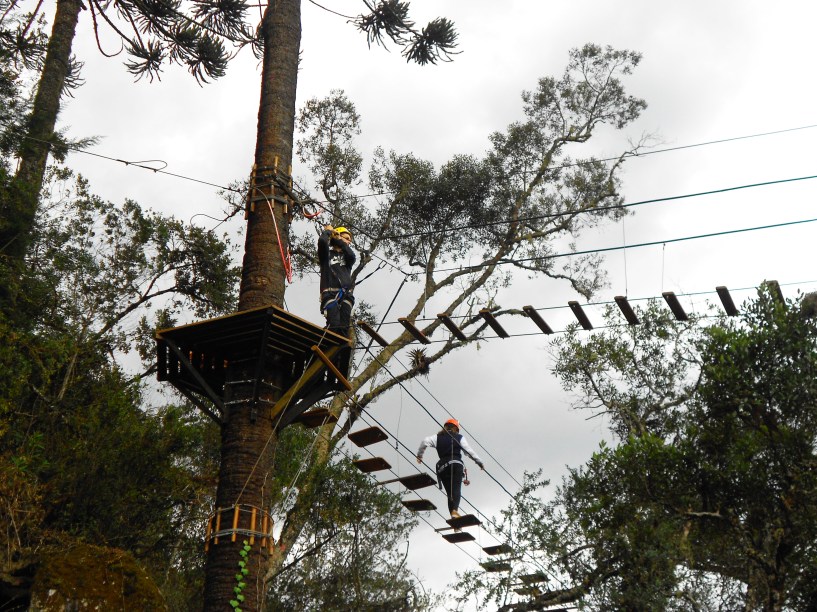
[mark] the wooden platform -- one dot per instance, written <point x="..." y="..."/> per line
<point x="195" y="358"/>
<point x="499" y="549"/>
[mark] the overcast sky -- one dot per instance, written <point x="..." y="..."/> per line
<point x="711" y="70"/>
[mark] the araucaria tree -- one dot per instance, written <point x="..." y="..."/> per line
<point x="708" y="498"/>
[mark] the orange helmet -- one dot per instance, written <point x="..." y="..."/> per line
<point x="453" y="422"/>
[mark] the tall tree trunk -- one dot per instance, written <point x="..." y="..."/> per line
<point x="248" y="446"/>
<point x="16" y="229"/>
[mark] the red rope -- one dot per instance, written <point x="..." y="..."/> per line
<point x="285" y="257"/>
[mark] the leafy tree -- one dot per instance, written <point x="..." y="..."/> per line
<point x="83" y="454"/>
<point x="507" y="209"/>
<point x="348" y="557"/>
<point x="708" y="500"/>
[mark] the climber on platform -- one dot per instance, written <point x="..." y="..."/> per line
<point x="336" y="259"/>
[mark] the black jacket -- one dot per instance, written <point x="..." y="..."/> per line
<point x="336" y="266"/>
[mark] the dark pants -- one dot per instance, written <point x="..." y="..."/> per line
<point x="451" y="477"/>
<point x="338" y="312"/>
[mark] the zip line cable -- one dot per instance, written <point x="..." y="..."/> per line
<point x="598" y="208"/>
<point x="140" y="164"/>
<point x="625" y="247"/>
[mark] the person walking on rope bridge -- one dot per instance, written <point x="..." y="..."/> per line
<point x="336" y="259"/>
<point x="450" y="445"/>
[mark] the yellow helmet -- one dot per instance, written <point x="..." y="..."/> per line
<point x="343" y="230"/>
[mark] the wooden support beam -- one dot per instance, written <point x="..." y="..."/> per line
<point x="452" y="327"/>
<point x="726" y="300"/>
<point x="675" y="306"/>
<point x="314" y="368"/>
<point x="331" y="367"/>
<point x="581" y="316"/>
<point x="491" y="320"/>
<point x="374" y="335"/>
<point x="626" y="310"/>
<point x="534" y="316"/>
<point x="414" y="331"/>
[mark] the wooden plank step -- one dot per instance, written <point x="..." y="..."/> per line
<point x="496" y="566"/>
<point x="533" y="578"/>
<point x="458" y="536"/>
<point x="499" y="549"/>
<point x="367" y="436"/>
<point x="418" y="505"/>
<point x="375" y="464"/>
<point x="417" y="481"/>
<point x="466" y="520"/>
<point x="528" y="591"/>
<point x="316" y="418"/>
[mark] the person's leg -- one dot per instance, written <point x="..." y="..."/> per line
<point x="331" y="310"/>
<point x="446" y="477"/>
<point x="456" y="487"/>
<point x="344" y="317"/>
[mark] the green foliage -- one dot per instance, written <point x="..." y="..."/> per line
<point x="241" y="576"/>
<point x="389" y="19"/>
<point x="349" y="548"/>
<point x="513" y="205"/>
<point x="85" y="455"/>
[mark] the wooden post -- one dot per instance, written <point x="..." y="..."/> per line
<point x="235" y="522"/>
<point x="207" y="534"/>
<point x="252" y="526"/>
<point x="218" y="525"/>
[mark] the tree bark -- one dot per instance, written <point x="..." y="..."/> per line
<point x="17" y="226"/>
<point x="248" y="446"/>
